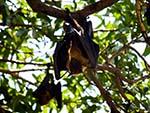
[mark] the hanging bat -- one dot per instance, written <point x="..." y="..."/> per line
<point x="76" y="51"/>
<point x="48" y="90"/>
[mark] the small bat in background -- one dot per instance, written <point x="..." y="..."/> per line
<point x="48" y="90"/>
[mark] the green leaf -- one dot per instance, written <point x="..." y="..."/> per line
<point x="21" y="32"/>
<point x="90" y="109"/>
<point x="130" y="97"/>
<point x="147" y="51"/>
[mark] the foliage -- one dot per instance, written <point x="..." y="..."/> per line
<point x="27" y="41"/>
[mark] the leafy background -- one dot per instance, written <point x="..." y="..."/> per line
<point x="27" y="42"/>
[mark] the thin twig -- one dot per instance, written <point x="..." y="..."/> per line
<point x="145" y="62"/>
<point x="142" y="78"/>
<point x="116" y="53"/>
<point x="18" y="77"/>
<point x="14" y="73"/>
<point x="25" y="63"/>
<point x="118" y="82"/>
<point x="18" y="25"/>
<point x="105" y="30"/>
<point x="117" y="72"/>
<point x="18" y="71"/>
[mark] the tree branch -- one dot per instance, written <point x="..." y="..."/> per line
<point x="40" y="7"/>
<point x="14" y="72"/>
<point x="118" y="79"/>
<point x="105" y="30"/>
<point x="117" y="72"/>
<point x="105" y="94"/>
<point x="25" y="63"/>
<point x="95" y="7"/>
<point x="140" y="21"/>
<point x="145" y="62"/>
<point x="12" y="25"/>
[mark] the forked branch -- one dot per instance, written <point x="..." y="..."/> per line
<point x="40" y="7"/>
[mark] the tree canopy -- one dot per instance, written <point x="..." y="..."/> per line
<point x="29" y="32"/>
